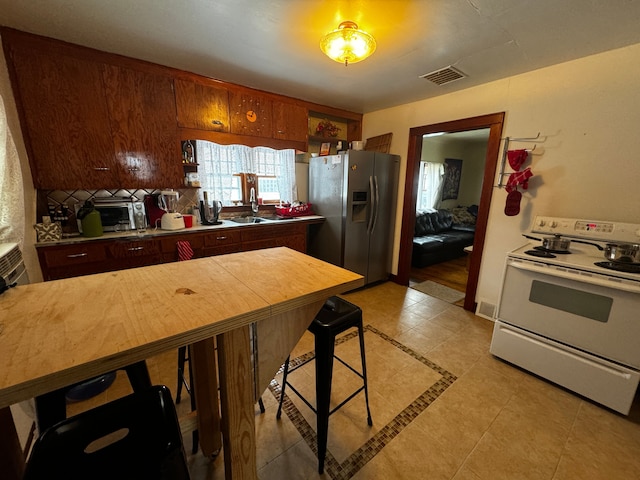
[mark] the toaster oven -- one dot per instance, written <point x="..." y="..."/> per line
<point x="116" y="215"/>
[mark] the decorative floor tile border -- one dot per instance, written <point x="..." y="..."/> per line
<point x="373" y="446"/>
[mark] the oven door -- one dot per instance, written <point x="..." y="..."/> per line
<point x="115" y="218"/>
<point x="588" y="311"/>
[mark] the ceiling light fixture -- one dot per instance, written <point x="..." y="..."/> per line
<point x="348" y="44"/>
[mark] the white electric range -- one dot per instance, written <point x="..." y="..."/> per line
<point x="568" y="316"/>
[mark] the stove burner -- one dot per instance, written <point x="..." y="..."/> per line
<point x="620" y="267"/>
<point x="540" y="252"/>
<point x="542" y="249"/>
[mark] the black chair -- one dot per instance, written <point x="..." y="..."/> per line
<point x="51" y="407"/>
<point x="134" y="437"/>
<point x="335" y="317"/>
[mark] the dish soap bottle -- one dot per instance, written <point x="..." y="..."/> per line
<point x="90" y="220"/>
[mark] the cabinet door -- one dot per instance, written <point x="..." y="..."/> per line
<point x="134" y="253"/>
<point x="219" y="242"/>
<point x="290" y="121"/>
<point x="64" y="261"/>
<point x="250" y="114"/>
<point x="170" y="245"/>
<point x="279" y="235"/>
<point x="203" y="107"/>
<point x="66" y="120"/>
<point x="142" y="110"/>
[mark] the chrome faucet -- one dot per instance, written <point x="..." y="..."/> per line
<point x="254" y="202"/>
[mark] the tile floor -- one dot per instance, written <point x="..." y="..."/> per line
<point x="442" y="408"/>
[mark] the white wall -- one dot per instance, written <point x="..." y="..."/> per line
<point x="473" y="155"/>
<point x="589" y="112"/>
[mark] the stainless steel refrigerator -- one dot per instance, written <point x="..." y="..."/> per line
<point x="356" y="192"/>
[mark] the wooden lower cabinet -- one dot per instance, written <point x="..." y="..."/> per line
<point x="133" y="253"/>
<point x="64" y="261"/>
<point x="283" y="235"/>
<point x="222" y="241"/>
<point x="97" y="256"/>
<point x="170" y="246"/>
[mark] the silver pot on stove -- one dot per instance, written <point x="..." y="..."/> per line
<point x="558" y="243"/>
<point x="622" y="253"/>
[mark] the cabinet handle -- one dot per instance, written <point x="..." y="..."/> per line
<point x="221" y="238"/>
<point x="77" y="255"/>
<point x="134" y="169"/>
<point x="135" y="249"/>
<point x="101" y="169"/>
<point x="216" y="122"/>
<point x="280" y="132"/>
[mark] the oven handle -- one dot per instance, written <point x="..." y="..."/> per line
<point x="590" y="280"/>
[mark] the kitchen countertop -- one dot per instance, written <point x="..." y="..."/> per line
<point x="117" y="318"/>
<point x="156" y="232"/>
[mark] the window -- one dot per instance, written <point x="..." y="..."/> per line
<point x="268" y="189"/>
<point x="223" y="168"/>
<point x="430" y="185"/>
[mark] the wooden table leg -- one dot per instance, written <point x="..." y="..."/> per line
<point x="205" y="387"/>
<point x="237" y="397"/>
<point x="11" y="458"/>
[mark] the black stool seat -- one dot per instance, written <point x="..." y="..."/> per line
<point x="52" y="407"/>
<point x="134" y="437"/>
<point x="335" y="317"/>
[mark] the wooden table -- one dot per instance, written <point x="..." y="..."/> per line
<point x="57" y="333"/>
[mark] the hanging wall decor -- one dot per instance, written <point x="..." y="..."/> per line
<point x="452" y="174"/>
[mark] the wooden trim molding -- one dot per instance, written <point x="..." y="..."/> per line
<point x="492" y="121"/>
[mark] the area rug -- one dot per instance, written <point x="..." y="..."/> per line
<point x="439" y="291"/>
<point x="349" y="466"/>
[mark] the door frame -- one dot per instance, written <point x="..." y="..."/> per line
<point x="492" y="121"/>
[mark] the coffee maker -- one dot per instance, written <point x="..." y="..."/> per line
<point x="172" y="219"/>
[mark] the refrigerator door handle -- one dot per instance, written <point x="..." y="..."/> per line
<point x="372" y="205"/>
<point x="377" y="203"/>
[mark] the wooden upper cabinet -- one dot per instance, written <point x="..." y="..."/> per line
<point x="290" y="121"/>
<point x="203" y="107"/>
<point x="142" y="111"/>
<point x="64" y="118"/>
<point x="250" y="114"/>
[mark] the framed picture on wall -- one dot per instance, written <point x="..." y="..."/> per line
<point x="324" y="149"/>
<point x="452" y="174"/>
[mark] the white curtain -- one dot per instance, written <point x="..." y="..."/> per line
<point x="218" y="163"/>
<point x="11" y="190"/>
<point x="430" y="185"/>
<point x="281" y="164"/>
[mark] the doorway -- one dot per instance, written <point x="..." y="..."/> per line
<point x="466" y="152"/>
<point x="494" y="123"/>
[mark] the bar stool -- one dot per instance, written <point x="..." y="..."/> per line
<point x="335" y="316"/>
<point x="137" y="436"/>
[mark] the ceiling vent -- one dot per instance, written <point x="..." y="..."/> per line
<point x="444" y="75"/>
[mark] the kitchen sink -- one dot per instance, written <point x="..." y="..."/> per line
<point x="248" y="219"/>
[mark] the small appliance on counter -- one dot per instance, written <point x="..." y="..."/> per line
<point x="154" y="213"/>
<point x="171" y="219"/>
<point x="89" y="220"/>
<point x="209" y="213"/>
<point x="117" y="214"/>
